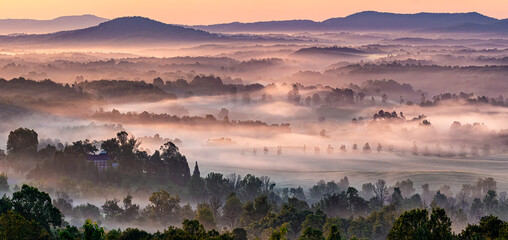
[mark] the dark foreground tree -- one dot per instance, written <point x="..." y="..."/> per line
<point x="490" y="227"/>
<point x="415" y="224"/>
<point x="35" y="205"/>
<point x="15" y="227"/>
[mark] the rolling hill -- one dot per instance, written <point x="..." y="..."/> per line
<point x="367" y="20"/>
<point x="32" y="26"/>
<point x="126" y="30"/>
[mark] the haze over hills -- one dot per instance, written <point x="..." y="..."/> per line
<point x="131" y="31"/>
<point x="497" y="27"/>
<point x="138" y="30"/>
<point x="367" y="20"/>
<point x="32" y="26"/>
<point x="133" y="28"/>
<point x="125" y="30"/>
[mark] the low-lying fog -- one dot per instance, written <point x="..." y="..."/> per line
<point x="308" y="154"/>
<point x="451" y="143"/>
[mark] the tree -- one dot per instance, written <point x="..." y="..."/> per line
<point x="232" y="210"/>
<point x="4" y="186"/>
<point x="163" y="207"/>
<point x="367" y="190"/>
<point x="86" y="211"/>
<point x="298" y="193"/>
<point x="63" y="202"/>
<point x="35" y="205"/>
<point x="13" y="226"/>
<point x="440" y="225"/>
<point x="254" y="211"/>
<point x="155" y="166"/>
<point x="366" y="148"/>
<point x="176" y="164"/>
<point x="196" y="184"/>
<point x="440" y="200"/>
<point x="280" y="234"/>
<point x="311" y="234"/>
<point x="490" y="201"/>
<point x="112" y="210"/>
<point x="82" y="147"/>
<point x="357" y="205"/>
<point x="130" y="210"/>
<point x="22" y="141"/>
<point x="5" y="204"/>
<point x="406" y="188"/>
<point x="410" y="225"/>
<point x="205" y="216"/>
<point x="335" y="205"/>
<point x="293" y="95"/>
<point x="334" y="233"/>
<point x="133" y="233"/>
<point x="262" y="206"/>
<point x="316" y="220"/>
<point x="22" y="148"/>
<point x="69" y="233"/>
<point x="250" y="187"/>
<point x="92" y="231"/>
<point x="381" y="191"/>
<point x="490" y="228"/>
<point x="217" y="185"/>
<point x="415" y="224"/>
<point x="477" y="209"/>
<point x="316" y="99"/>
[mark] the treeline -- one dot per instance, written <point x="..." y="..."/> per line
<point x="464" y="98"/>
<point x="388" y="87"/>
<point x="30" y="214"/>
<point x="38" y="89"/>
<point x="326" y="97"/>
<point x="133" y="69"/>
<point x="119" y="90"/>
<point x="224" y="201"/>
<point x="209" y="119"/>
<point x="123" y="90"/>
<point x="411" y="68"/>
<point x="165" y="164"/>
<point x="403" y="93"/>
<point x="352" y="95"/>
<point x="202" y="85"/>
<point x="21" y="90"/>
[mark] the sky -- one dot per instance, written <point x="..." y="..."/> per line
<point x="192" y="12"/>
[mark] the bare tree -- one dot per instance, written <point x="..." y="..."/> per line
<point x="381" y="191"/>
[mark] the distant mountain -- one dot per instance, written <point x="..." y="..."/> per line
<point x="133" y="28"/>
<point x="290" y="25"/>
<point x="31" y="26"/>
<point x="120" y="30"/>
<point x="390" y="21"/>
<point x="368" y="20"/>
<point x="497" y="27"/>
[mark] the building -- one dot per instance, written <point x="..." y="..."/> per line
<point x="101" y="160"/>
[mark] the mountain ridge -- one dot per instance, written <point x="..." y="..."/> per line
<point x="366" y="20"/>
<point x="63" y="23"/>
<point x="137" y="29"/>
<point x="129" y="30"/>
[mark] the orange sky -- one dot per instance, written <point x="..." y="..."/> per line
<point x="219" y="11"/>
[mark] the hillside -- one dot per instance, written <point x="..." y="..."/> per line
<point x="32" y="26"/>
<point x="125" y="30"/>
<point x="367" y="20"/>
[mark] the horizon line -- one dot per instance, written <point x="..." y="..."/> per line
<point x="247" y="22"/>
